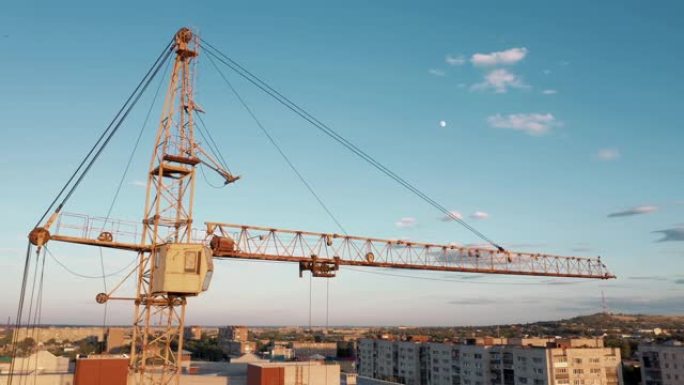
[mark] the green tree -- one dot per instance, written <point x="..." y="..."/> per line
<point x="27" y="344"/>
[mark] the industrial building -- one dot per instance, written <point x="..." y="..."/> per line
<point x="293" y="373"/>
<point x="491" y="362"/>
<point x="662" y="364"/>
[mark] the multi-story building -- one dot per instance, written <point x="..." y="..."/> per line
<point x="366" y="357"/>
<point x="233" y="333"/>
<point x="408" y="363"/>
<point x="304" y="350"/>
<point x="192" y="333"/>
<point x="237" y="348"/>
<point x="280" y="352"/>
<point x="662" y="364"/>
<point x="491" y="362"/>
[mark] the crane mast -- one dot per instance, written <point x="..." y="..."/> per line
<point x="175" y="261"/>
<point x="159" y="315"/>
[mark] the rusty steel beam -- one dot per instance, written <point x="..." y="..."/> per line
<point x="270" y="244"/>
<point x="95" y="242"/>
<point x="407" y="266"/>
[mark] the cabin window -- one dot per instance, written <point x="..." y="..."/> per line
<point x="192" y="262"/>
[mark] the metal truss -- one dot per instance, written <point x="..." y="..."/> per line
<point x="328" y="251"/>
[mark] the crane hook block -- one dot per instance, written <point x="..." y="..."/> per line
<point x="39" y="236"/>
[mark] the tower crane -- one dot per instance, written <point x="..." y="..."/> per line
<point x="175" y="260"/>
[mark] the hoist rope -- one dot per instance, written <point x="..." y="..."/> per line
<point x="24" y="362"/>
<point x="77" y="177"/>
<point x="135" y="148"/>
<point x="313" y="339"/>
<point x="33" y="320"/>
<point x="212" y="143"/>
<point x="20" y="311"/>
<point x="118" y="190"/>
<point x="113" y="131"/>
<point x="105" y="310"/>
<point x="278" y="148"/>
<point x="240" y="70"/>
<point x="327" y="313"/>
<point x="149" y="75"/>
<point x="76" y="274"/>
<point x="206" y="180"/>
<point x="459" y="281"/>
<point x="37" y="318"/>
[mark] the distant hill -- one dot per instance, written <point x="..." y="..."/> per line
<point x="635" y="326"/>
<point x="642" y="321"/>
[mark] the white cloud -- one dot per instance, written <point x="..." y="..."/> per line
<point x="454" y="60"/>
<point x="639" y="210"/>
<point x="138" y="183"/>
<point x="499" y="80"/>
<point x="442" y="123"/>
<point x="436" y="72"/>
<point x="531" y="124"/>
<point x="478" y="215"/>
<point x="549" y="92"/>
<point x="507" y="57"/>
<point x="454" y="213"/>
<point x="608" y="154"/>
<point x="406" y="222"/>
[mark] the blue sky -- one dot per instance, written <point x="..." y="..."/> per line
<point x="555" y="117"/>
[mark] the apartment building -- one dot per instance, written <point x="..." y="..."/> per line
<point x="408" y="362"/>
<point x="233" y="333"/>
<point x="304" y="350"/>
<point x="662" y="364"/>
<point x="491" y="362"/>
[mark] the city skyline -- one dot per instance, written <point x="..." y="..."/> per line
<point x="547" y="136"/>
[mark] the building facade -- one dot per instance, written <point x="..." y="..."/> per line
<point x="527" y="362"/>
<point x="237" y="348"/>
<point x="233" y="333"/>
<point x="304" y="350"/>
<point x="192" y="333"/>
<point x="59" y="334"/>
<point x="293" y="373"/>
<point x="662" y="364"/>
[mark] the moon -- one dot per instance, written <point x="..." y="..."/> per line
<point x="442" y="123"/>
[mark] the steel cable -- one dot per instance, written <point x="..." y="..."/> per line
<point x="279" y="149"/>
<point x="338" y="138"/>
<point x="166" y="50"/>
<point x="20" y="311"/>
<point x="68" y="270"/>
